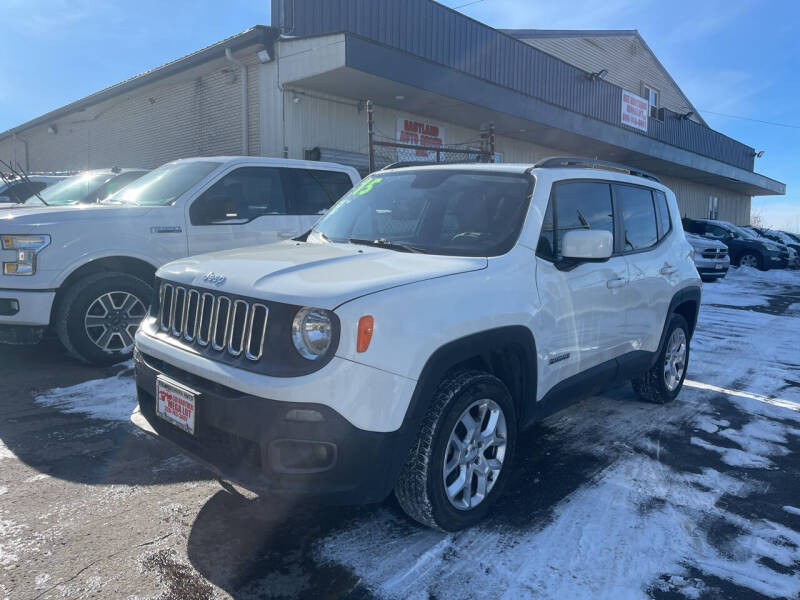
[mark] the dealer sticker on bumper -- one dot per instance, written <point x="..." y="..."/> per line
<point x="175" y="403"/>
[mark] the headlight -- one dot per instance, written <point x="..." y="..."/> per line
<point x="27" y="248"/>
<point x="312" y="331"/>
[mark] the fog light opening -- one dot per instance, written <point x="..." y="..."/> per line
<point x="301" y="456"/>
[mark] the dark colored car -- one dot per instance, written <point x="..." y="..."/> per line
<point x="743" y="247"/>
<point x="781" y="237"/>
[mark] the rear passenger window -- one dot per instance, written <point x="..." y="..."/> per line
<point x="335" y="183"/>
<point x="662" y="213"/>
<point x="574" y="205"/>
<point x="638" y="217"/>
<point x="313" y="191"/>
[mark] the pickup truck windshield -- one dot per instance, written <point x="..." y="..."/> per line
<point x="70" y="191"/>
<point x="452" y="212"/>
<point x="165" y="184"/>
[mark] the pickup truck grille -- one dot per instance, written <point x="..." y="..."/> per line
<point x="715" y="253"/>
<point x="209" y="320"/>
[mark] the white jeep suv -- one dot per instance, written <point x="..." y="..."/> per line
<point x="88" y="270"/>
<point x="404" y="342"/>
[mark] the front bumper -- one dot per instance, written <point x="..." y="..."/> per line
<point x="707" y="267"/>
<point x="32" y="307"/>
<point x="776" y="260"/>
<point x="247" y="439"/>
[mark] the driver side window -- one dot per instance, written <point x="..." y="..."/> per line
<point x="574" y="205"/>
<point x="239" y="197"/>
<point x="717" y="232"/>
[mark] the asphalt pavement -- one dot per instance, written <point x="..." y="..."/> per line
<point x="611" y="498"/>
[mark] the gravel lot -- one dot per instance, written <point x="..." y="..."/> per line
<point x="609" y="499"/>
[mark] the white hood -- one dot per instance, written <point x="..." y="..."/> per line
<point x="34" y="216"/>
<point x="322" y="275"/>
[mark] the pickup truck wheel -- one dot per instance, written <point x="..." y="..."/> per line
<point x="663" y="382"/>
<point x="749" y="259"/>
<point x="99" y="315"/>
<point x="460" y="462"/>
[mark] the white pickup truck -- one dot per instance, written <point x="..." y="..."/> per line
<point x="88" y="270"/>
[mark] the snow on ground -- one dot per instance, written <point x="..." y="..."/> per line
<point x="5" y="452"/>
<point x="650" y="520"/>
<point x="112" y="398"/>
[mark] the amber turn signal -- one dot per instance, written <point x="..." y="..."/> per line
<point x="365" y="326"/>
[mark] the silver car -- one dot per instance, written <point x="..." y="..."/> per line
<point x="710" y="257"/>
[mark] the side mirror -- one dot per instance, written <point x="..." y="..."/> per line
<point x="587" y="245"/>
<point x="4" y="199"/>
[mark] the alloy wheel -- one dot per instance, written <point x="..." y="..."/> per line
<point x="474" y="454"/>
<point x="675" y="359"/>
<point x="749" y="260"/>
<point x="112" y="320"/>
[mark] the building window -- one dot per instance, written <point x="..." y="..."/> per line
<point x="653" y="99"/>
<point x="713" y="207"/>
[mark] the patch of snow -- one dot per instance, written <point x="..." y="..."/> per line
<point x="3" y="490"/>
<point x="42" y="579"/>
<point x="112" y="398"/>
<point x="38" y="477"/>
<point x="733" y="456"/>
<point x="598" y="544"/>
<point x="792" y="510"/>
<point x="5" y="452"/>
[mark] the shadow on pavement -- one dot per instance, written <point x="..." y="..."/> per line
<point x="74" y="446"/>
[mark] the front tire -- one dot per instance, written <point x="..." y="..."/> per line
<point x="98" y="316"/>
<point x="460" y="462"/>
<point x="751" y="259"/>
<point x="663" y="382"/>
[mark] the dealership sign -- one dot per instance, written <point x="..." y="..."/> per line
<point x="418" y="133"/>
<point x="634" y="110"/>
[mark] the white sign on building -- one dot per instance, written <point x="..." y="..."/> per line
<point x="634" y="110"/>
<point x="418" y="133"/>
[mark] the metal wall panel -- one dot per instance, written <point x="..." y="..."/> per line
<point x="444" y="36"/>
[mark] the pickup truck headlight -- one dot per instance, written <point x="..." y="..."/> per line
<point x="27" y="248"/>
<point x="312" y="331"/>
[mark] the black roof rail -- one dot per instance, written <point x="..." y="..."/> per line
<point x="588" y="163"/>
<point x="426" y="163"/>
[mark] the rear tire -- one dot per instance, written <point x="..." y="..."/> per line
<point x="663" y="382"/>
<point x="453" y="474"/>
<point x="99" y="314"/>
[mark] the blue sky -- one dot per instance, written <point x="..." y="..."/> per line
<point x="735" y="58"/>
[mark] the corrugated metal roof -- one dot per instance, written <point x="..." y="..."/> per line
<point x="439" y="34"/>
<point x="599" y="33"/>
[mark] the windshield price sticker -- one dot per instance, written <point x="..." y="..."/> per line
<point x="365" y="187"/>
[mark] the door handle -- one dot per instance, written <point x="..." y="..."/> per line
<point x="285" y="235"/>
<point x="667" y="269"/>
<point x="616" y="283"/>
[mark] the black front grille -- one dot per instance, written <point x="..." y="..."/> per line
<point x="715" y="253"/>
<point x="212" y="320"/>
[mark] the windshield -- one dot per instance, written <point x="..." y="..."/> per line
<point x="164" y="185"/>
<point x="743" y="233"/>
<point x="71" y="190"/>
<point x="462" y="213"/>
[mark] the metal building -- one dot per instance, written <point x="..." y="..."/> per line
<point x="299" y="89"/>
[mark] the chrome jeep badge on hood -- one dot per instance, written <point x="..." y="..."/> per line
<point x="214" y="278"/>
